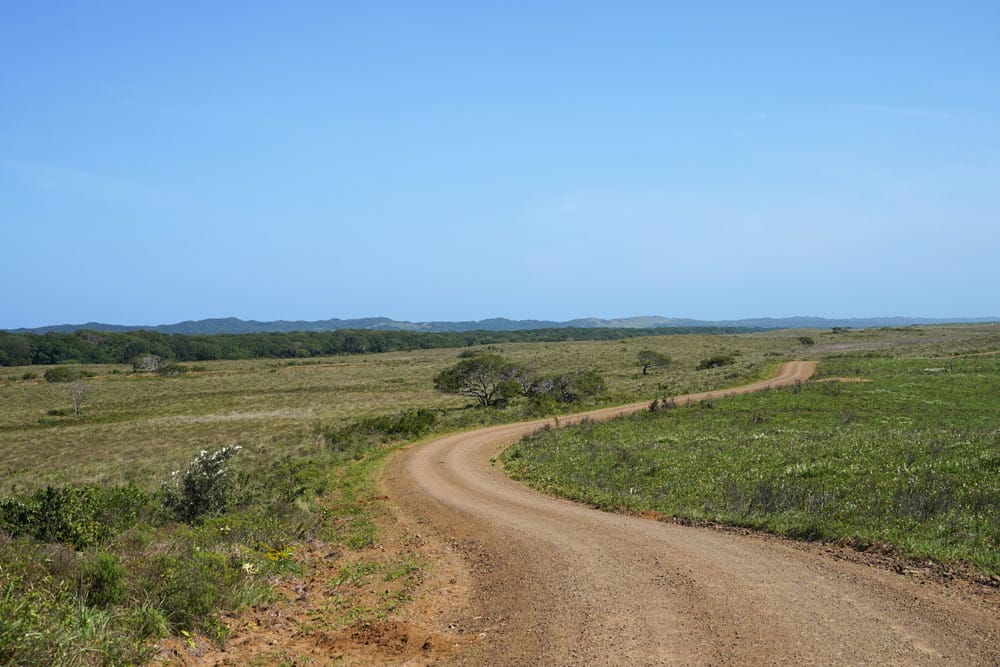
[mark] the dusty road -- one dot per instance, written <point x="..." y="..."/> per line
<point x="554" y="582"/>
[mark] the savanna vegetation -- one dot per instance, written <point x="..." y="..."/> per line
<point x="153" y="503"/>
<point x="909" y="458"/>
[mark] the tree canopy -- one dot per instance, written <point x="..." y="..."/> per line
<point x="489" y="378"/>
<point x="652" y="359"/>
<point x="102" y="347"/>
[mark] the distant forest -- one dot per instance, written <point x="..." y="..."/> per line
<point x="105" y="347"/>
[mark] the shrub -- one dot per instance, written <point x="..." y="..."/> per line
<point x="806" y="340"/>
<point x="148" y="363"/>
<point x="203" y="489"/>
<point x="567" y="388"/>
<point x="188" y="589"/>
<point x="66" y="374"/>
<point x="406" y="425"/>
<point x="147" y="622"/>
<point x="77" y="515"/>
<point x="103" y="581"/>
<point x="170" y="369"/>
<point x="717" y="361"/>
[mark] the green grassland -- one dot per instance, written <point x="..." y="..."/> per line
<point x="910" y="458"/>
<point x="137" y="427"/>
<point x="101" y="563"/>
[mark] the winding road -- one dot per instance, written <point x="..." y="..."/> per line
<point x="555" y="582"/>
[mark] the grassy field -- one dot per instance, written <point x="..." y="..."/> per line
<point x="121" y="565"/>
<point x="910" y="458"/>
<point x="138" y="427"/>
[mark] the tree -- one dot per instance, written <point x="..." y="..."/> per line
<point x="652" y="359"/>
<point x="147" y="363"/>
<point x="79" y="391"/>
<point x="567" y="388"/>
<point x="490" y="378"/>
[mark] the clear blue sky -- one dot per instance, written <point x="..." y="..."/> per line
<point x="163" y="161"/>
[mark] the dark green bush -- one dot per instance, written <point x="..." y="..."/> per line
<point x="188" y="589"/>
<point x="406" y="425"/>
<point x="77" y="515"/>
<point x="103" y="581"/>
<point x="66" y="374"/>
<point x="147" y="622"/>
<point x="717" y="361"/>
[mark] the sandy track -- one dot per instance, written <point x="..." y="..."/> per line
<point x="555" y="582"/>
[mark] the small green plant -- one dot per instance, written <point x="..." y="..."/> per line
<point x="147" y="622"/>
<point x="103" y="581"/>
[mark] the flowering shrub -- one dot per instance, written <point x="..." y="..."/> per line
<point x="203" y="489"/>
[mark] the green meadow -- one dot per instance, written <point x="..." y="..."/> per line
<point x="909" y="458"/>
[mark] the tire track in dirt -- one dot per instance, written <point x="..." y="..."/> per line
<point x="555" y="582"/>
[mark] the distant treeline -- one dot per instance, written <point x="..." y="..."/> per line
<point x="106" y="347"/>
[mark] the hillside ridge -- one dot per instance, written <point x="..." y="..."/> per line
<point x="233" y="325"/>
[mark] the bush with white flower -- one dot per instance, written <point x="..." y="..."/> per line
<point x="203" y="489"/>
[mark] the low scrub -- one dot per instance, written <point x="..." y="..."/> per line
<point x="66" y="374"/>
<point x="90" y="574"/>
<point x="80" y="516"/>
<point x="717" y="361"/>
<point x="359" y="434"/>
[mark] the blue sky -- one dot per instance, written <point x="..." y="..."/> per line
<point x="449" y="161"/>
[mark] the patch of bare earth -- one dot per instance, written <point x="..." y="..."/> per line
<point x="324" y="617"/>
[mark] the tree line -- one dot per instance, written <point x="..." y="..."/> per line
<point x="107" y="347"/>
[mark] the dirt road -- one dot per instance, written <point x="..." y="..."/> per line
<point x="554" y="582"/>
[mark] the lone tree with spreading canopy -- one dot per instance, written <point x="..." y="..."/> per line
<point x="490" y="378"/>
<point x="652" y="359"/>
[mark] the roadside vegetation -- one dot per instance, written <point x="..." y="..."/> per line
<point x="138" y="503"/>
<point x="910" y="458"/>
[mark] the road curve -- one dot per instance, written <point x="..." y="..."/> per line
<point x="555" y="582"/>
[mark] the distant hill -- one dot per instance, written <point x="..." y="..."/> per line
<point x="232" y="325"/>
